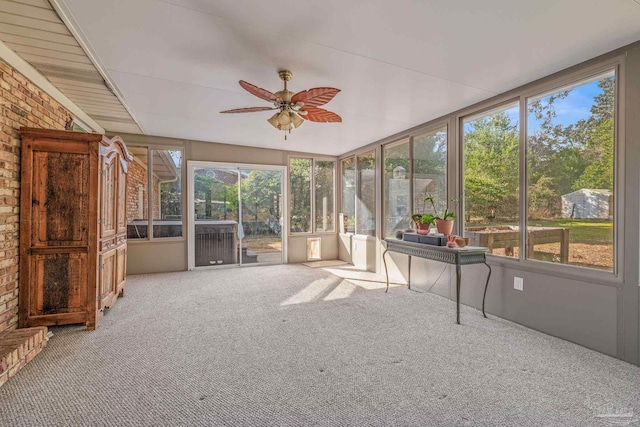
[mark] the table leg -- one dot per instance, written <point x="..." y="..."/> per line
<point x="485" y="287"/>
<point x="385" y="268"/>
<point x="458" y="277"/>
<point x="409" y="274"/>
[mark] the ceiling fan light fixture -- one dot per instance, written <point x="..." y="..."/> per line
<point x="284" y="118"/>
<point x="273" y="121"/>
<point x="296" y="120"/>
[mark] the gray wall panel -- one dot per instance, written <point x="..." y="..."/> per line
<point x="156" y="257"/>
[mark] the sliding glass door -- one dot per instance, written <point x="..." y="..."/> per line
<point x="237" y="214"/>
<point x="261" y="194"/>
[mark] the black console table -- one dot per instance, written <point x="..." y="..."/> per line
<point x="457" y="257"/>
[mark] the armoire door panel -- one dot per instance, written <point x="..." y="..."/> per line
<point x="121" y="267"/>
<point x="107" y="284"/>
<point x="58" y="283"/>
<point x="60" y="199"/>
<point x="122" y="195"/>
<point x="109" y="194"/>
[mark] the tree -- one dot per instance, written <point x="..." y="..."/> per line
<point x="598" y="140"/>
<point x="262" y="190"/>
<point x="300" y="194"/>
<point x="491" y="168"/>
<point x="566" y="158"/>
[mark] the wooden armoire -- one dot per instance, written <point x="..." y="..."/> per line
<point x="73" y="226"/>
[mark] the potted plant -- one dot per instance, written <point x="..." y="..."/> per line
<point x="444" y="223"/>
<point x="423" y="222"/>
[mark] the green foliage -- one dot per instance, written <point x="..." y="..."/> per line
<point x="261" y="194"/>
<point x="218" y="200"/>
<point x="447" y="214"/>
<point x="543" y="200"/>
<point x="424" y="218"/>
<point x="491" y="168"/>
<point x="171" y="198"/>
<point x="560" y="159"/>
<point x="300" y="194"/>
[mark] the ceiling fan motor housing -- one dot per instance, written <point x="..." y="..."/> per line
<point x="286" y="95"/>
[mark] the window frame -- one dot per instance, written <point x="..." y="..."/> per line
<point x="406" y="140"/>
<point x="550" y="84"/>
<point x="312" y="195"/>
<point x="433" y="128"/>
<point x="475" y="114"/>
<point x="150" y="237"/>
<point x="376" y="149"/>
<point x="358" y="191"/>
<point x="355" y="207"/>
<point x="575" y="82"/>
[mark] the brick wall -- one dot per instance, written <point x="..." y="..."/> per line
<point x="156" y="197"/>
<point x="22" y="104"/>
<point x="136" y="177"/>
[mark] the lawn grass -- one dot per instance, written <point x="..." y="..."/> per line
<point x="589" y="231"/>
<point x="590" y="241"/>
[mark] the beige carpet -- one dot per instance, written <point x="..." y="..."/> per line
<point x="290" y="345"/>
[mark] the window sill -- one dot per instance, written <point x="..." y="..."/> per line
<point x="157" y="240"/>
<point x="307" y="234"/>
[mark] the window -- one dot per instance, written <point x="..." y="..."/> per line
<point x="324" y="178"/>
<point x="163" y="198"/>
<point x="359" y="193"/>
<point x="396" y="178"/>
<point x="366" y="194"/>
<point x="306" y="198"/>
<point x="167" y="193"/>
<point x="137" y="194"/>
<point x="412" y="171"/>
<point x="570" y="174"/>
<point x="430" y="172"/>
<point x="300" y="195"/>
<point x="349" y="194"/>
<point x="491" y="177"/>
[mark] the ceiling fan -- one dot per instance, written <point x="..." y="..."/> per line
<point x="293" y="108"/>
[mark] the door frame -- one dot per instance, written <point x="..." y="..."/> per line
<point x="191" y="232"/>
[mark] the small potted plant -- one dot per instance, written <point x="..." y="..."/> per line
<point x="444" y="223"/>
<point x="423" y="222"/>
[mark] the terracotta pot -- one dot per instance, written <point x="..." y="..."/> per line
<point x="444" y="226"/>
<point x="423" y="228"/>
<point x="462" y="241"/>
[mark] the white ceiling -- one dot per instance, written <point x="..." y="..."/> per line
<point x="399" y="63"/>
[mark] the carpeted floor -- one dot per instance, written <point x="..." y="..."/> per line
<point x="291" y="345"/>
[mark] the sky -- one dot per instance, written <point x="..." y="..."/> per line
<point x="576" y="106"/>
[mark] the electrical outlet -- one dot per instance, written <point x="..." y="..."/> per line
<point x="518" y="283"/>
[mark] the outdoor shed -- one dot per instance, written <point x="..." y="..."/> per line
<point x="587" y="203"/>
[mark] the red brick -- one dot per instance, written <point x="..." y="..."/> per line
<point x="21" y="104"/>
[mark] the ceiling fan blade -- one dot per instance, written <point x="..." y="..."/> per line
<point x="316" y="96"/>
<point x="320" y="115"/>
<point x="248" y="110"/>
<point x="259" y="92"/>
